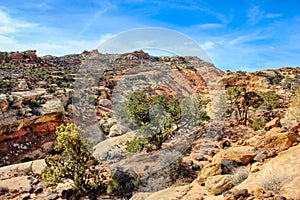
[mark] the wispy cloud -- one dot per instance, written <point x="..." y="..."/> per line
<point x="273" y="15"/>
<point x="39" y="5"/>
<point x="254" y="15"/>
<point x="200" y="6"/>
<point x="104" y="8"/>
<point x="9" y="25"/>
<point x="210" y="26"/>
<point x="208" y="45"/>
<point x="236" y="40"/>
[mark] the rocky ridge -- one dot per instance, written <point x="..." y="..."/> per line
<point x="234" y="163"/>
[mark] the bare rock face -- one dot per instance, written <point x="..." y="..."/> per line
<point x="169" y="193"/>
<point x="275" y="140"/>
<point x="295" y="128"/>
<point x="27" y="123"/>
<point x="273" y="123"/>
<point x="209" y="170"/>
<point x="16" y="122"/>
<point x="218" y="184"/>
<point x="280" y="175"/>
<point x="262" y="80"/>
<point x="241" y="154"/>
<point x="3" y="103"/>
<point x="117" y="130"/>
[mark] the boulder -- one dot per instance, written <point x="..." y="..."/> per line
<point x="260" y="157"/>
<point x="50" y="111"/>
<point x="295" y="128"/>
<point x="111" y="121"/>
<point x="9" y="178"/>
<point x="218" y="183"/>
<point x="273" y="123"/>
<point x="117" y="130"/>
<point x="105" y="103"/>
<point x="22" y="96"/>
<point x="239" y="154"/>
<point x="107" y="149"/>
<point x="22" y="85"/>
<point x="277" y="142"/>
<point x="255" y="167"/>
<point x="71" y="108"/>
<point x="209" y="170"/>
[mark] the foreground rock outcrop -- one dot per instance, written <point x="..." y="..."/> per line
<point x="280" y="175"/>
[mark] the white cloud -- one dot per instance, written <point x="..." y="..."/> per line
<point x="236" y="40"/>
<point x="273" y="49"/>
<point x="272" y="15"/>
<point x="9" y="25"/>
<point x="210" y="26"/>
<point x="40" y="6"/>
<point x="104" y="8"/>
<point x="255" y="15"/>
<point x="208" y="45"/>
<point x="241" y="39"/>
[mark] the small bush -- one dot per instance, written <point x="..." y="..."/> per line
<point x="123" y="183"/>
<point x="287" y="83"/>
<point x="50" y="90"/>
<point x="272" y="183"/>
<point x="136" y="145"/>
<point x="240" y="175"/>
<point x="271" y="100"/>
<point x="138" y="108"/>
<point x="74" y="162"/>
<point x="258" y="123"/>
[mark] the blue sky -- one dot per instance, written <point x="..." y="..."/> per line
<point x="237" y="35"/>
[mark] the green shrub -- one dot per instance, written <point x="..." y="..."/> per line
<point x="287" y="83"/>
<point x="123" y="183"/>
<point x="74" y="162"/>
<point x="50" y="90"/>
<point x="154" y="132"/>
<point x="91" y="99"/>
<point x="203" y="116"/>
<point x="138" y="108"/>
<point x="173" y="107"/>
<point x="271" y="100"/>
<point x="258" y="123"/>
<point x="135" y="145"/>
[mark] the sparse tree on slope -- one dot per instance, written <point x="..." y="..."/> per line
<point x="241" y="100"/>
<point x="74" y="162"/>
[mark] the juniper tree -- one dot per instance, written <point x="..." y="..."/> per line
<point x="73" y="162"/>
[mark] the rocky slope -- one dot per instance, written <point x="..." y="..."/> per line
<point x="222" y="159"/>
